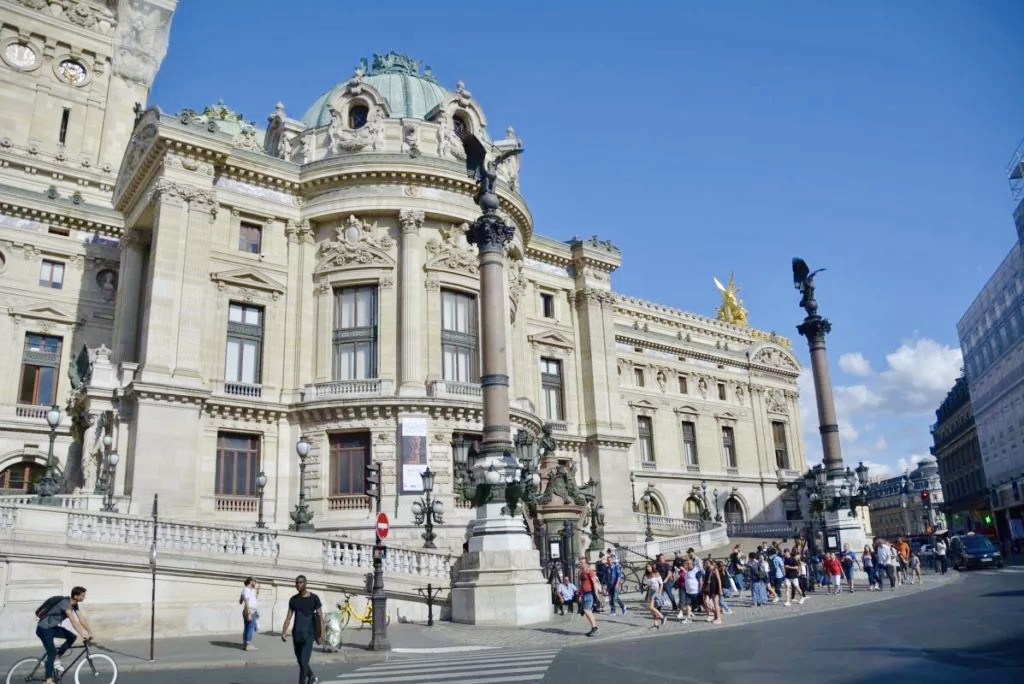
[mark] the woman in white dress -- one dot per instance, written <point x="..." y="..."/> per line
<point x="654" y="585"/>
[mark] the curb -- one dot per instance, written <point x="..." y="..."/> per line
<point x="146" y="665"/>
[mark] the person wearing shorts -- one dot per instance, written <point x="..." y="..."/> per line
<point x="791" y="565"/>
<point x="588" y="589"/>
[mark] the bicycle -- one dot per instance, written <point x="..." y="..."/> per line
<point x="101" y="668"/>
<point x="348" y="613"/>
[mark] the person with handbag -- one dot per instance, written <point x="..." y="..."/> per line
<point x="250" y="613"/>
<point x="654" y="586"/>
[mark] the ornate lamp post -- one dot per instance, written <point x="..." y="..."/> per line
<point x="461" y="468"/>
<point x="302" y="516"/>
<point x="632" y="488"/>
<point x="112" y="460"/>
<point x="47" y="487"/>
<point x="596" y="515"/>
<point x="428" y="511"/>
<point x="646" y="498"/>
<point x="261" y="482"/>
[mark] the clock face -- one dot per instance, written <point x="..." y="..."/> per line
<point x="71" y="71"/>
<point x="20" y="55"/>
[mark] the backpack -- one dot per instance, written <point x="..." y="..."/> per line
<point x="44" y="609"/>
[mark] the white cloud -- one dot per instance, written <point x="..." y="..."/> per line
<point x="880" y="445"/>
<point x="905" y="464"/>
<point x="920" y="374"/>
<point x="855" y="364"/>
<point x="878" y="470"/>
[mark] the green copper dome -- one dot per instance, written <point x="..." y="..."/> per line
<point x="409" y="92"/>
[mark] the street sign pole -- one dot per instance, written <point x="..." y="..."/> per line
<point x="378" y="599"/>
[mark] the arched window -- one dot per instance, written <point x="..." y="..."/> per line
<point x="460" y="125"/>
<point x="358" y="115"/>
<point x="733" y="510"/>
<point x="21" y="477"/>
<point x="692" y="508"/>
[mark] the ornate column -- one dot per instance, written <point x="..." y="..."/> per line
<point x="499" y="581"/>
<point x="410" y="318"/>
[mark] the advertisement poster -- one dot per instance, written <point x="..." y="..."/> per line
<point x="1017" y="528"/>
<point x="413" y="453"/>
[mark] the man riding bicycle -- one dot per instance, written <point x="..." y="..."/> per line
<point x="49" y="629"/>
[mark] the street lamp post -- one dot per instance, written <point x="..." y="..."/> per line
<point x="632" y="488"/>
<point x="302" y="516"/>
<point x="705" y="513"/>
<point x="428" y="511"/>
<point x="261" y="482"/>
<point x="596" y="514"/>
<point x="47" y="487"/>
<point x="646" y="498"/>
<point x="112" y="460"/>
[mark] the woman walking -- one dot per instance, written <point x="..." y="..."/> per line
<point x="655" y="585"/>
<point x="712" y="592"/>
<point x="757" y="578"/>
<point x="848" y="560"/>
<point x="867" y="561"/>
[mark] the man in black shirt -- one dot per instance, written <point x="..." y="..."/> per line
<point x="667" y="576"/>
<point x="791" y="563"/>
<point x="308" y="612"/>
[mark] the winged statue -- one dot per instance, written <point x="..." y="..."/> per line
<point x="731" y="310"/>
<point x="483" y="171"/>
<point x="803" y="280"/>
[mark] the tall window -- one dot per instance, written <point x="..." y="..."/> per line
<point x="458" y="336"/>
<point x="245" y="339"/>
<point x="729" y="447"/>
<point x="40" y="362"/>
<point x="721" y="391"/>
<point x="355" y="333"/>
<point x="238" y="463"/>
<point x="551" y="385"/>
<point x="65" y="119"/>
<point x="645" y="438"/>
<point x="250" y="237"/>
<point x="682" y="385"/>
<point x="781" y="449"/>
<point x="350" y="454"/>
<point x="51" y="274"/>
<point x="689" y="443"/>
<point x="638" y="376"/>
<point x="547" y="305"/>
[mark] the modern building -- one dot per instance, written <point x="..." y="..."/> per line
<point x="992" y="339"/>
<point x="238" y="286"/>
<point x="958" y="454"/>
<point x="908" y="505"/>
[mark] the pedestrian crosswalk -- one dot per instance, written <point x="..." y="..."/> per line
<point x="493" y="666"/>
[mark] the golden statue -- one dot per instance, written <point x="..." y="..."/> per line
<point x="731" y="310"/>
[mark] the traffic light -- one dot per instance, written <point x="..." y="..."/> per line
<point x="988" y="519"/>
<point x="926" y="498"/>
<point x="371" y="487"/>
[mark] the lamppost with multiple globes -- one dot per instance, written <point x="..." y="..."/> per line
<point x="47" y="487"/>
<point x="595" y="512"/>
<point x="647" y="498"/>
<point x="302" y="516"/>
<point x="428" y="511"/>
<point x="632" y="488"/>
<point x="261" y="482"/>
<point x="111" y="480"/>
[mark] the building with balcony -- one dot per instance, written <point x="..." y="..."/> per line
<point x="908" y="505"/>
<point x="991" y="335"/>
<point x="240" y="286"/>
<point x="960" y="468"/>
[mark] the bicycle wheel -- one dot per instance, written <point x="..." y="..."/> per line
<point x="26" y="670"/>
<point x="96" y="668"/>
<point x="345" y="618"/>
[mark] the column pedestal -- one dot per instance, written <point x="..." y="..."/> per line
<point x="848" y="530"/>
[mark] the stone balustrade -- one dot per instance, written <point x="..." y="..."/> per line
<point x="348" y="389"/>
<point x="677" y="525"/>
<point x="456" y="390"/>
<point x="765" y="530"/>
<point x="77" y="502"/>
<point x="714" y="536"/>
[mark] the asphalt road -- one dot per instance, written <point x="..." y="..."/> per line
<point x="972" y="631"/>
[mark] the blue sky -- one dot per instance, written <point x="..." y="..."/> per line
<point x="707" y="138"/>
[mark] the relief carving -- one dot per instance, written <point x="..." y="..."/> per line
<point x="358" y="243"/>
<point x="775" y="400"/>
<point x="448" y="144"/>
<point x="345" y="139"/>
<point x="247" y="140"/>
<point x="775" y="357"/>
<point x="452" y="252"/>
<point x="516" y="286"/>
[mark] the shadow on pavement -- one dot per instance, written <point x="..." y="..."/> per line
<point x="233" y="645"/>
<point x="1002" y="654"/>
<point x="1004" y="594"/>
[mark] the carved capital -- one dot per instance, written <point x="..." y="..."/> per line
<point x="411" y="220"/>
<point x="490" y="233"/>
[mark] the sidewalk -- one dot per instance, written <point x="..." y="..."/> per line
<point x="407" y="640"/>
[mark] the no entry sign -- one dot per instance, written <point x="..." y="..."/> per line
<point x="382" y="525"/>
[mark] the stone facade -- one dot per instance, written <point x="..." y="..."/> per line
<point x="899" y="508"/>
<point x="312" y="278"/>
<point x="960" y="467"/>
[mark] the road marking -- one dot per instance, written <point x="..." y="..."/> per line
<point x="473" y="668"/>
<point x="443" y="649"/>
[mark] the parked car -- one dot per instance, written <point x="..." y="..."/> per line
<point x="973" y="551"/>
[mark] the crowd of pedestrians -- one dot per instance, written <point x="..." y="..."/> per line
<point x="689" y="588"/>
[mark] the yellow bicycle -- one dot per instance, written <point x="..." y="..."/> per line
<point x="349" y="613"/>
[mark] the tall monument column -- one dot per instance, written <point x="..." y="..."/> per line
<point x="410" y="323"/>
<point x="499" y="582"/>
<point x="841" y="526"/>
